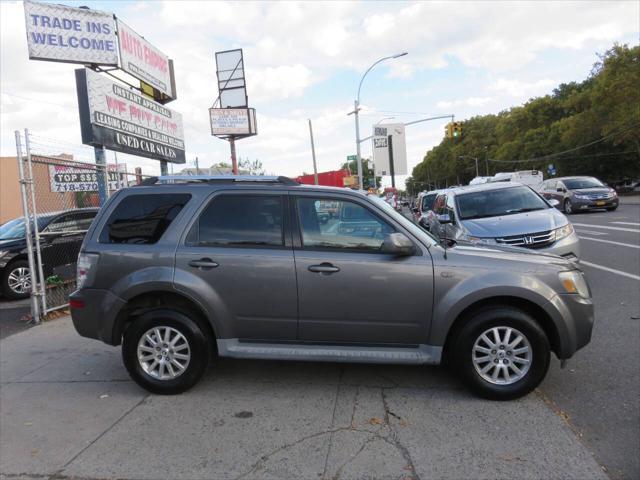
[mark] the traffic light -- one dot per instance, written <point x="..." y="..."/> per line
<point x="456" y="130"/>
<point x="448" y="130"/>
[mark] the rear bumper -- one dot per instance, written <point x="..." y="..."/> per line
<point x="96" y="319"/>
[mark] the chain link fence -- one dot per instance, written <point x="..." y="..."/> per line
<point x="59" y="195"/>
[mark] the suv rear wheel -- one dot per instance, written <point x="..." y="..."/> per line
<point x="165" y="351"/>
<point x="501" y="353"/>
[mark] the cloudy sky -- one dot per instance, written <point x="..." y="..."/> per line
<point x="304" y="60"/>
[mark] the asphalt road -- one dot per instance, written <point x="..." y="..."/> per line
<point x="599" y="391"/>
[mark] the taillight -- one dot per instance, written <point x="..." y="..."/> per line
<point x="86" y="262"/>
<point x="76" y="303"/>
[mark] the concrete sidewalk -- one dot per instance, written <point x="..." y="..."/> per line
<point x="69" y="410"/>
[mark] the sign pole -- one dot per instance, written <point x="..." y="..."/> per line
<point x="234" y="161"/>
<point x="101" y="167"/>
<point x="391" y="167"/>
<point x="313" y="154"/>
<point x="164" y="170"/>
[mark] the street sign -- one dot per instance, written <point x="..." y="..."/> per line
<point x="233" y="121"/>
<point x="120" y="119"/>
<point x="74" y="35"/>
<point x="352" y="158"/>
<point x="381" y="135"/>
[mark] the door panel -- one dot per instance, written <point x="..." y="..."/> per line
<point x="374" y="298"/>
<point x="348" y="292"/>
<point x="243" y="265"/>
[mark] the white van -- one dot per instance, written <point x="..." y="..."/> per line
<point x="527" y="177"/>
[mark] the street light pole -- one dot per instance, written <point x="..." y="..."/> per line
<point x="356" y="110"/>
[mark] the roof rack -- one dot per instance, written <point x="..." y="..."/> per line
<point x="218" y="179"/>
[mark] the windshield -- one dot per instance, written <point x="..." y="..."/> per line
<point x="409" y="225"/>
<point x="427" y="201"/>
<point x="494" y="203"/>
<point x="12" y="229"/>
<point x="578" y="183"/>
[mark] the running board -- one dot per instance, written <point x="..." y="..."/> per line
<point x="422" y="354"/>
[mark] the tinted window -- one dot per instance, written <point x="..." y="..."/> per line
<point x="354" y="228"/>
<point x="72" y="222"/>
<point x="143" y="218"/>
<point x="492" y="203"/>
<point x="577" y="183"/>
<point x="240" y="220"/>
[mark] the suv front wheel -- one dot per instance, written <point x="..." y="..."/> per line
<point x="501" y="353"/>
<point x="165" y="351"/>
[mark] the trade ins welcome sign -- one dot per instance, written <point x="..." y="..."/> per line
<point x="120" y="119"/>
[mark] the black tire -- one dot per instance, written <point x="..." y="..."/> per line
<point x="7" y="291"/>
<point x="460" y="355"/>
<point x="568" y="207"/>
<point x="198" y="345"/>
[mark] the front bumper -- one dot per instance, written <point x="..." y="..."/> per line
<point x="588" y="204"/>
<point x="568" y="247"/>
<point x="574" y="318"/>
<point x="98" y="316"/>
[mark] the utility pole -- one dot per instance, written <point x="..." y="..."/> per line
<point x="234" y="161"/>
<point x="486" y="159"/>
<point x="197" y="167"/>
<point x="313" y="154"/>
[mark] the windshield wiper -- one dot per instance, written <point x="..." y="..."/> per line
<point x="522" y="210"/>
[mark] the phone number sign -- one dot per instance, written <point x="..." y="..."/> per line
<point x="69" y="179"/>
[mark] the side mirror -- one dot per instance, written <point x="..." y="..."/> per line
<point x="397" y="244"/>
<point x="553" y="202"/>
<point x="444" y="219"/>
<point x="415" y="209"/>
<point x="560" y="189"/>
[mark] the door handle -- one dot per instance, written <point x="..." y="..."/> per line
<point x="325" y="268"/>
<point x="204" y="263"/>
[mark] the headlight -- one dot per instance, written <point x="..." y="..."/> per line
<point x="564" y="231"/>
<point x="574" y="282"/>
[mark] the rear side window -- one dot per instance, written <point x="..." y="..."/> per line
<point x="240" y="220"/>
<point x="143" y="219"/>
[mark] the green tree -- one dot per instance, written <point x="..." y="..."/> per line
<point x="367" y="171"/>
<point x="589" y="128"/>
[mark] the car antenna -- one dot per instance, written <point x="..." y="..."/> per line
<point x="444" y="227"/>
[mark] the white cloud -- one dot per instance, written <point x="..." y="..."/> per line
<point x="293" y="48"/>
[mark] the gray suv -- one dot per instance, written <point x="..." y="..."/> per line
<point x="578" y="194"/>
<point x="183" y="268"/>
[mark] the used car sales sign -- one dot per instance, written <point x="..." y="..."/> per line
<point x="120" y="119"/>
<point x="66" y="34"/>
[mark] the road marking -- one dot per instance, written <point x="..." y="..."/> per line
<point x="612" y="270"/>
<point x="628" y="223"/>
<point x="607" y="228"/>
<point x="631" y="245"/>
<point x="591" y="232"/>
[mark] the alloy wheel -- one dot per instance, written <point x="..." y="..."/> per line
<point x="19" y="280"/>
<point x="502" y="355"/>
<point x="163" y="353"/>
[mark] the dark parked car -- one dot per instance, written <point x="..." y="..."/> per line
<point x="243" y="267"/>
<point x="577" y="194"/>
<point x="61" y="235"/>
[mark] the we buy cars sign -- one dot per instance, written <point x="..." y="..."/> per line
<point x="120" y="119"/>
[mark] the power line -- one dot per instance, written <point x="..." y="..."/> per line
<point x="552" y="155"/>
<point x="567" y="158"/>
